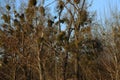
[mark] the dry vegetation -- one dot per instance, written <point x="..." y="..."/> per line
<point x="33" y="45"/>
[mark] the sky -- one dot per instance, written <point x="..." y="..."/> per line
<point x="103" y="7"/>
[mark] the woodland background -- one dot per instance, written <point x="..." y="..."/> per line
<point x="68" y="44"/>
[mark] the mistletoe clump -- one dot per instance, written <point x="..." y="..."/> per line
<point x="77" y="1"/>
<point x="42" y="10"/>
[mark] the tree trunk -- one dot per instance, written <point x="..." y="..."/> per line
<point x="65" y="66"/>
<point x="39" y="48"/>
<point x="56" y="72"/>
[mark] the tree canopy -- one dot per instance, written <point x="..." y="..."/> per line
<point x="37" y="43"/>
